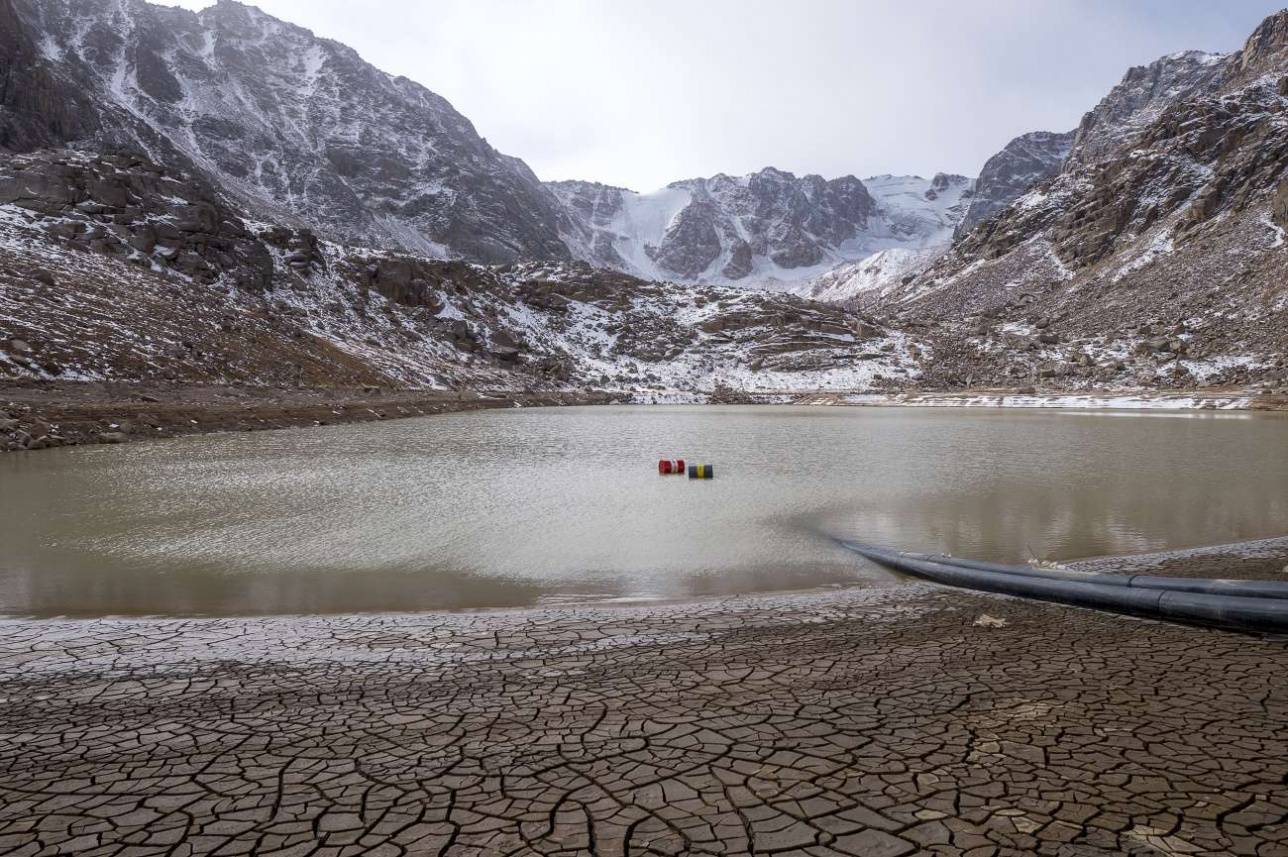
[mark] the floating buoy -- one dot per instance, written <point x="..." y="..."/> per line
<point x="702" y="471"/>
<point x="670" y="466"/>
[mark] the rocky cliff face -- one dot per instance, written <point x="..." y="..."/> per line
<point x="765" y="225"/>
<point x="298" y="127"/>
<point x="1139" y="99"/>
<point x="39" y="105"/>
<point x="1028" y="160"/>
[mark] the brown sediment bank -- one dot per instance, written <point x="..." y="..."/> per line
<point x="70" y="414"/>
<point x="52" y="414"/>
<point x="896" y="720"/>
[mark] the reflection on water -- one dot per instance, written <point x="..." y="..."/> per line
<point x="509" y="508"/>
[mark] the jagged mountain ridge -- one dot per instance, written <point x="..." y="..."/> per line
<point x="302" y="130"/>
<point x="296" y="126"/>
<point x="766" y="228"/>
<point x="1139" y="99"/>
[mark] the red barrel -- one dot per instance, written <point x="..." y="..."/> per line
<point x="670" y="466"/>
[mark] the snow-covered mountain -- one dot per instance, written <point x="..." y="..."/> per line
<point x="302" y="130"/>
<point x="153" y="157"/>
<point x="767" y="229"/>
<point x="298" y="127"/>
<point x="872" y="278"/>
<point x="916" y="223"/>
<point x="759" y="228"/>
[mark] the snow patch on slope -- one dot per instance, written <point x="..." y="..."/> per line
<point x="876" y="275"/>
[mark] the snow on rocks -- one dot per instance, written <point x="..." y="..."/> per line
<point x="120" y="269"/>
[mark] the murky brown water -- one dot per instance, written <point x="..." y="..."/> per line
<point x="510" y="508"/>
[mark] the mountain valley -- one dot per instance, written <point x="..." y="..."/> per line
<point x="223" y="198"/>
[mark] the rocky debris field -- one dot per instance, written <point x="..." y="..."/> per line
<point x="114" y="269"/>
<point x="891" y="721"/>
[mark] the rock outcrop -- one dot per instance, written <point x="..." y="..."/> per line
<point x="1139" y="99"/>
<point x="1028" y="160"/>
<point x="127" y="207"/>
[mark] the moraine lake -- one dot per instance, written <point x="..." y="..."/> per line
<point x="522" y="507"/>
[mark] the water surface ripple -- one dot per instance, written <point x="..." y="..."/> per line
<point x="513" y="508"/>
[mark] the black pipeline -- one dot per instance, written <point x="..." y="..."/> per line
<point x="1201" y="585"/>
<point x="1256" y="613"/>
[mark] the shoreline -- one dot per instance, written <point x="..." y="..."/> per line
<point x="34" y="417"/>
<point x="97" y="413"/>
<point x="891" y="720"/>
<point x="1262" y="558"/>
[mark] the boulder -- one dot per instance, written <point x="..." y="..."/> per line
<point x="505" y="353"/>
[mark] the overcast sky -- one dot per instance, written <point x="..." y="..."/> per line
<point x="643" y="93"/>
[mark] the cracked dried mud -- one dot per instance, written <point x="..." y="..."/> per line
<point x="880" y="721"/>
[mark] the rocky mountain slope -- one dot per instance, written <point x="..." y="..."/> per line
<point x="1139" y="99"/>
<point x="1156" y="257"/>
<point x="299" y="128"/>
<point x="112" y="267"/>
